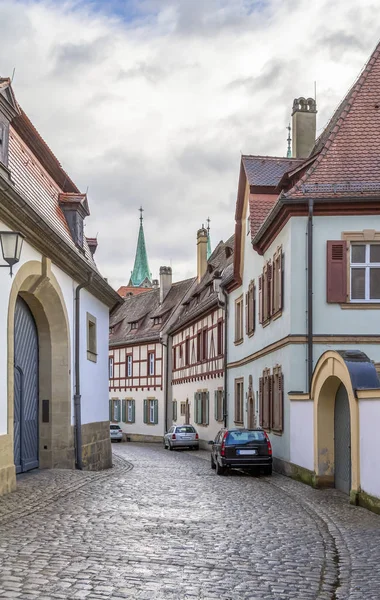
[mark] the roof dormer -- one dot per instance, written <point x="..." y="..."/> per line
<point x="75" y="208"/>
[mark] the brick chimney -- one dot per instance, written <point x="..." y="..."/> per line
<point x="201" y="252"/>
<point x="165" y="282"/>
<point x="304" y="122"/>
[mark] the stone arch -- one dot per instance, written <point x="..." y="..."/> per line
<point x="37" y="285"/>
<point x="330" y="372"/>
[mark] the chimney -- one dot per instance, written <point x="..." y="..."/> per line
<point x="201" y="252"/>
<point x="155" y="284"/>
<point x="304" y="121"/>
<point x="165" y="282"/>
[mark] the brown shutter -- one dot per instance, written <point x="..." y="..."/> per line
<point x="280" y="280"/>
<point x="247" y="312"/>
<point x="261" y="400"/>
<point x="337" y="271"/>
<point x="260" y="299"/>
<point x="281" y="402"/>
<point x="253" y="308"/>
<point x="269" y="291"/>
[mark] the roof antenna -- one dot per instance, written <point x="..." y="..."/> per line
<point x="13" y="74"/>
<point x="289" y="152"/>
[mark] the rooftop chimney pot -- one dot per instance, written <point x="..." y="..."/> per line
<point x="304" y="122"/>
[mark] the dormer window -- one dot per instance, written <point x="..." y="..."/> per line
<point x="75" y="208"/>
<point x="157" y="320"/>
<point x="134" y="325"/>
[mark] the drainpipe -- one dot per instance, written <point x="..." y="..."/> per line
<point x="166" y="382"/>
<point x="77" y="395"/>
<point x="310" y="294"/>
<point x="225" y="360"/>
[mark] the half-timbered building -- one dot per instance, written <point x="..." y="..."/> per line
<point x="197" y="340"/>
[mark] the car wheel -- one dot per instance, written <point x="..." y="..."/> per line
<point x="165" y="446"/>
<point x="119" y="441"/>
<point x="170" y="446"/>
<point x="268" y="470"/>
<point x="220" y="470"/>
<point x="213" y="466"/>
<point x="195" y="447"/>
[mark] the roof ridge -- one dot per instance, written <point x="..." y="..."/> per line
<point x="269" y="157"/>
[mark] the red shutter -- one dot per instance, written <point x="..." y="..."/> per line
<point x="261" y="400"/>
<point x="260" y="299"/>
<point x="336" y="271"/>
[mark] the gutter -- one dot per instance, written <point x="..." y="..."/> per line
<point x="310" y="294"/>
<point x="77" y="395"/>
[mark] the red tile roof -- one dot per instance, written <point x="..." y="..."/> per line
<point x="260" y="206"/>
<point x="127" y="290"/>
<point x="349" y="149"/>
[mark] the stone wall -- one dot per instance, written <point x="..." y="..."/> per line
<point x="96" y="446"/>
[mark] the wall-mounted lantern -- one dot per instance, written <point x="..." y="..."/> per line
<point x="11" y="245"/>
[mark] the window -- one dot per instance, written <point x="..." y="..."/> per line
<point x="277" y="282"/>
<point x="239" y="320"/>
<point x="220" y="338"/>
<point x="183" y="409"/>
<point x="365" y="273"/>
<point x="250" y="309"/>
<point x="187" y="351"/>
<point x="174" y="407"/>
<point x="114" y="406"/>
<point x="157" y="320"/>
<point x="271" y="288"/>
<point x="174" y="358"/>
<point x="151" y="412"/>
<point x="128" y="411"/>
<point x="239" y="400"/>
<point x="151" y="363"/>
<point x="129" y="365"/>
<point x="199" y="346"/>
<point x="218" y="405"/>
<point x="271" y="399"/>
<point x="204" y="344"/>
<point x="201" y="408"/>
<point x="91" y="338"/>
<point x="110" y="367"/>
<point x="134" y="325"/>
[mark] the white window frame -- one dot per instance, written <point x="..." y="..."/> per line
<point x="110" y="367"/>
<point x="129" y="365"/>
<point x="129" y="411"/>
<point x="367" y="265"/>
<point x="151" y="361"/>
<point x="151" y="411"/>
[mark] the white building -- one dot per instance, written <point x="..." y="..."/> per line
<point x="54" y="312"/>
<point x="305" y="294"/>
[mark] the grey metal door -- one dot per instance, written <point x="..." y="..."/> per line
<point x="342" y="441"/>
<point x="25" y="389"/>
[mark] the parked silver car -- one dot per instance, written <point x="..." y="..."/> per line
<point x="116" y="433"/>
<point x="181" y="436"/>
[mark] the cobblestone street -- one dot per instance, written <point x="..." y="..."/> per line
<point x="162" y="525"/>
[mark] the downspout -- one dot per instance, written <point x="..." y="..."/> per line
<point x="310" y="294"/>
<point x="166" y="383"/>
<point x="77" y="395"/>
<point x="225" y="359"/>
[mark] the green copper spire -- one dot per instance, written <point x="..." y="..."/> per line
<point x="289" y="152"/>
<point x="141" y="275"/>
<point x="208" y="239"/>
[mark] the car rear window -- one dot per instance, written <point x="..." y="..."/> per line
<point x="185" y="429"/>
<point x="114" y="427"/>
<point x="243" y="437"/>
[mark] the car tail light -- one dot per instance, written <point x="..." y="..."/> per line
<point x="223" y="446"/>
<point x="196" y="436"/>
<point x="120" y="431"/>
<point x="173" y="436"/>
<point x="269" y="444"/>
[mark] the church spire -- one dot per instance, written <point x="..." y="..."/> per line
<point x="208" y="239"/>
<point x="141" y="276"/>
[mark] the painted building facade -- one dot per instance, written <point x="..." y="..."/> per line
<point x="305" y="295"/>
<point x="198" y="346"/>
<point x="54" y="313"/>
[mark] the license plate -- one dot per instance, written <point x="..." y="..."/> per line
<point x="246" y="452"/>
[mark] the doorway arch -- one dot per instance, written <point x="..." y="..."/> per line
<point x="331" y="383"/>
<point x="38" y="288"/>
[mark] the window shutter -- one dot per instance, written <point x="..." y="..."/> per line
<point x="133" y="411"/>
<point x="260" y="299"/>
<point x="267" y="401"/>
<point x="253" y="308"/>
<point x="110" y="410"/>
<point x="207" y="407"/>
<point x="261" y="400"/>
<point x="145" y="416"/>
<point x="155" y="412"/>
<point x="246" y="312"/>
<point x="199" y="409"/>
<point x="117" y="410"/>
<point x="281" y="402"/>
<point x="280" y="280"/>
<point x="124" y="411"/>
<point x="336" y="271"/>
<point x="269" y="292"/>
<point x="216" y="415"/>
<point x="196" y="407"/>
<point x="174" y="410"/>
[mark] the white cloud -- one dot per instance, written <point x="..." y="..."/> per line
<point x="155" y="109"/>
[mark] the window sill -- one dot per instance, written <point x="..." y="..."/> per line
<point x="239" y="422"/>
<point x="276" y="432"/>
<point x="250" y="334"/>
<point x="92" y="356"/>
<point x="360" y="305"/>
<point x="238" y="342"/>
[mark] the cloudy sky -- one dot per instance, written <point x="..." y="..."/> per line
<point x="151" y="102"/>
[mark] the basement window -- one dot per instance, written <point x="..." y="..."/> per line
<point x="91" y="338"/>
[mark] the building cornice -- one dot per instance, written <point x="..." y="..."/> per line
<point x="18" y="214"/>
